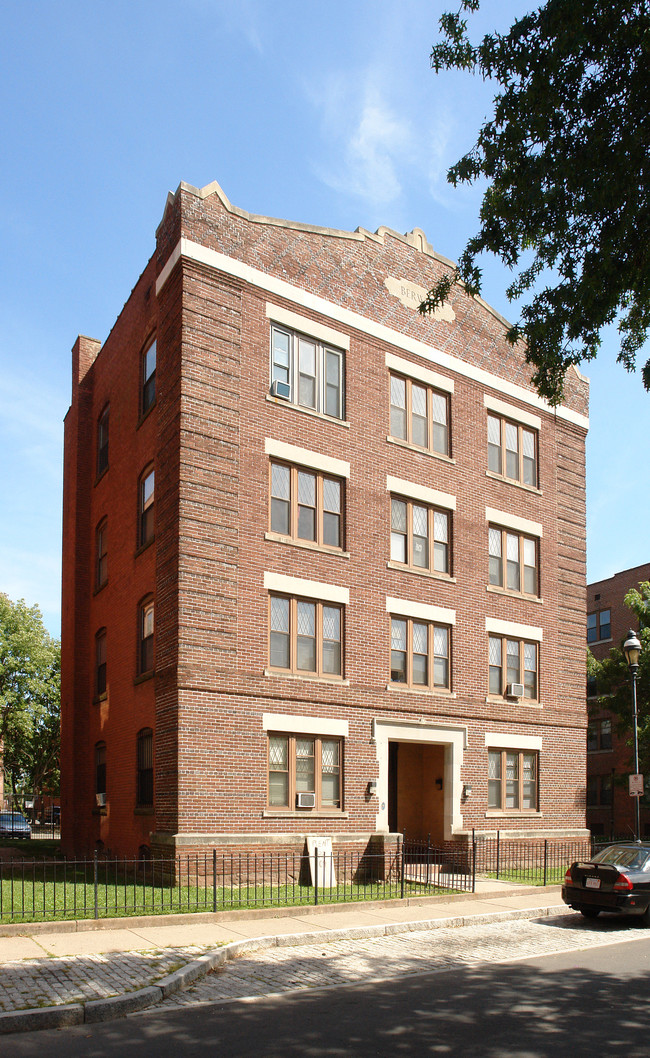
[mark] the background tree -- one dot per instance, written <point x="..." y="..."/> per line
<point x="30" y="699"/>
<point x="566" y="158"/>
<point x="612" y="678"/>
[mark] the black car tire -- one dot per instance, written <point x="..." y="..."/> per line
<point x="645" y="917"/>
<point x="593" y="912"/>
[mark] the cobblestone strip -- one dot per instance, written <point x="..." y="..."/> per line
<point x="285" y="969"/>
<point x="53" y="982"/>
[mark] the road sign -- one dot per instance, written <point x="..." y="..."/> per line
<point x="636" y="786"/>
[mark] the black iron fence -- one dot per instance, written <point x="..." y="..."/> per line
<point x="101" y="887"/>
<point x="37" y="890"/>
<point x="527" y="862"/>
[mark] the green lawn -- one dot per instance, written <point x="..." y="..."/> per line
<point x="529" y="875"/>
<point x="56" y="891"/>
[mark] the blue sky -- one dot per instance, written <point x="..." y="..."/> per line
<point x="319" y="111"/>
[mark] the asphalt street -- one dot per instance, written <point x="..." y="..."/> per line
<point x="493" y="999"/>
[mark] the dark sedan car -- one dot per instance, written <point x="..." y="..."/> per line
<point x="14" y="825"/>
<point x="616" y="879"/>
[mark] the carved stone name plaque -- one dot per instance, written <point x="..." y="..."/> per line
<point x="412" y="295"/>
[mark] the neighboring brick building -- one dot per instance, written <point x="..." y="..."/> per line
<point x="363" y="560"/>
<point x="610" y="810"/>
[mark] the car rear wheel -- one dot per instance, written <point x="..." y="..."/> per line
<point x="593" y="912"/>
<point x="645" y="917"/>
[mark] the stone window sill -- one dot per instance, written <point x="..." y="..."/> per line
<point x="145" y="546"/>
<point x="305" y="813"/>
<point x="433" y="574"/>
<point x="422" y="451"/>
<point x="501" y="698"/>
<point x="511" y="481"/>
<point x="436" y="692"/>
<point x="513" y="813"/>
<point x="308" y="545"/>
<point x="496" y="590"/>
<point x="332" y="681"/>
<point x="307" y="411"/>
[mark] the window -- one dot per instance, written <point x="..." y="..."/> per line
<point x="146" y="507"/>
<point x="599" y="790"/>
<point x="146" y="645"/>
<point x="599" y="626"/>
<point x="419" y="414"/>
<point x="512" y="661"/>
<point x="100" y="662"/>
<point x="513" y="561"/>
<point x="512" y="450"/>
<point x="144" y="750"/>
<point x="512" y="780"/>
<point x="419" y="536"/>
<point x="101" y="554"/>
<point x="419" y="655"/>
<point x="304" y="764"/>
<point x="148" y="377"/>
<point x="100" y="772"/>
<point x="305" y="636"/>
<point x="313" y="371"/>
<point x="599" y="735"/>
<point x="102" y="441"/>
<point x="306" y="505"/>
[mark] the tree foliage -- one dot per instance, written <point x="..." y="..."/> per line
<point x="566" y="157"/>
<point x="30" y="698"/>
<point x="612" y="677"/>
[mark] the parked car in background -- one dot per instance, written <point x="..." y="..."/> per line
<point x="14" y="825"/>
<point x="53" y="815"/>
<point x="616" y="879"/>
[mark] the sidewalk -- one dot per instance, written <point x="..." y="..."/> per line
<point x="68" y="973"/>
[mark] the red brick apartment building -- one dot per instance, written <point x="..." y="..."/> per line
<point x="324" y="558"/>
<point x="610" y="809"/>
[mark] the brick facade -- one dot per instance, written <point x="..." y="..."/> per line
<point x="218" y="280"/>
<point x="611" y="760"/>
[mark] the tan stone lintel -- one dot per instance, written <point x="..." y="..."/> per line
<point x="183" y="839"/>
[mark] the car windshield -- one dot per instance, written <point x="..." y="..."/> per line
<point x="637" y="859"/>
<point x="11" y="817"/>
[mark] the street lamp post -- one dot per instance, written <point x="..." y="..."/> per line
<point x="632" y="650"/>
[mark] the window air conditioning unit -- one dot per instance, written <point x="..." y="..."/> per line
<point x="281" y="389"/>
<point x="515" y="690"/>
<point x="101" y="799"/>
<point x="306" y="800"/>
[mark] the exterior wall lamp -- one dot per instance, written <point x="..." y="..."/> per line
<point x="632" y="650"/>
<point x="372" y="788"/>
<point x="467" y="791"/>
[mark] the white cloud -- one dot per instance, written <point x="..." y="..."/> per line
<point x="367" y="127"/>
<point x="366" y="135"/>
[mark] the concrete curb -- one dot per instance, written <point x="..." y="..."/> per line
<point x="97" y="1010"/>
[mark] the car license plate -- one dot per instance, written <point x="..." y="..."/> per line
<point x="592" y="883"/>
